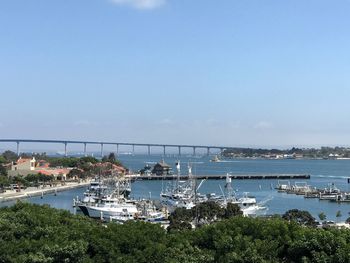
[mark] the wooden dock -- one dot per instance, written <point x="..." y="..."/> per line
<point x="221" y="177"/>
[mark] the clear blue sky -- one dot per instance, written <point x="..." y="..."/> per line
<point x="228" y="72"/>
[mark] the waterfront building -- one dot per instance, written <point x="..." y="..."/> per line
<point x="24" y="164"/>
<point x="56" y="173"/>
<point x="109" y="168"/>
<point x="162" y="168"/>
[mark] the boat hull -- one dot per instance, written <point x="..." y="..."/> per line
<point x="107" y="212"/>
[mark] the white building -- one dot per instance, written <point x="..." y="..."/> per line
<point x="24" y="164"/>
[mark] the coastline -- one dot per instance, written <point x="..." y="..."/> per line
<point x="11" y="195"/>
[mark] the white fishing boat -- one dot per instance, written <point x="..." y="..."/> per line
<point x="101" y="187"/>
<point x="330" y="193"/>
<point x="283" y="186"/>
<point x="94" y="191"/>
<point x="109" y="206"/>
<point x="250" y="207"/>
<point x="247" y="204"/>
<point x="181" y="193"/>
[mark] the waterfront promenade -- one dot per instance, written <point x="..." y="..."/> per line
<point x="35" y="191"/>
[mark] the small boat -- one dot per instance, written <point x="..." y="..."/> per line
<point x="330" y="193"/>
<point x="312" y="195"/>
<point x="121" y="218"/>
<point x="153" y="217"/>
<point x="215" y="159"/>
<point x="283" y="186"/>
<point x="344" y="197"/>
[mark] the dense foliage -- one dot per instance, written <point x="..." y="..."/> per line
<point x="26" y="181"/>
<point x="301" y="217"/>
<point x="202" y="214"/>
<point x="32" y="233"/>
<point x="83" y="167"/>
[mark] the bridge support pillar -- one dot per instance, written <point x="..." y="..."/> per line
<point x="17" y="148"/>
<point x="101" y="150"/>
<point x="194" y="151"/>
<point x="208" y="151"/>
<point x="133" y="149"/>
<point x="117" y="149"/>
<point x="164" y="150"/>
<point x="179" y="147"/>
<point x="149" y="149"/>
<point x="65" y="149"/>
<point x="85" y="149"/>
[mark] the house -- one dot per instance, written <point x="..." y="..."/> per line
<point x="56" y="173"/>
<point x="162" y="168"/>
<point x="27" y="164"/>
<point x="109" y="168"/>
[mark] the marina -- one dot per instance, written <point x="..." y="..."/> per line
<point x="322" y="172"/>
<point x="108" y="199"/>
<point x="330" y="193"/>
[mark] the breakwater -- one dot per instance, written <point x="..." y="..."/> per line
<point x="220" y="177"/>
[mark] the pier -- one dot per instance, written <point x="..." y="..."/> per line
<point x="221" y="177"/>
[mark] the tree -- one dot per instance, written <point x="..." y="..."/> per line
<point x="347" y="220"/>
<point x="111" y="157"/>
<point x="4" y="181"/>
<point x="2" y="159"/>
<point x="10" y="156"/>
<point x="207" y="212"/>
<point x="88" y="159"/>
<point x="338" y="215"/>
<point x="322" y="216"/>
<point x="232" y="210"/>
<point x="76" y="173"/>
<point x="180" y="219"/>
<point x="3" y="170"/>
<point x="300" y="216"/>
<point x="33" y="233"/>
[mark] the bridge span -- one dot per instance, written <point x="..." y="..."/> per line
<point x="179" y="147"/>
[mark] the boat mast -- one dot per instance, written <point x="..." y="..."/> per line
<point x="178" y="168"/>
<point x="228" y="187"/>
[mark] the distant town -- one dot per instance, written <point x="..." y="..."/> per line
<point x="293" y="153"/>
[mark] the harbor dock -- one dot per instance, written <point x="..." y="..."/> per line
<point x="221" y="177"/>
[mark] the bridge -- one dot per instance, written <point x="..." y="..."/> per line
<point x="148" y="146"/>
